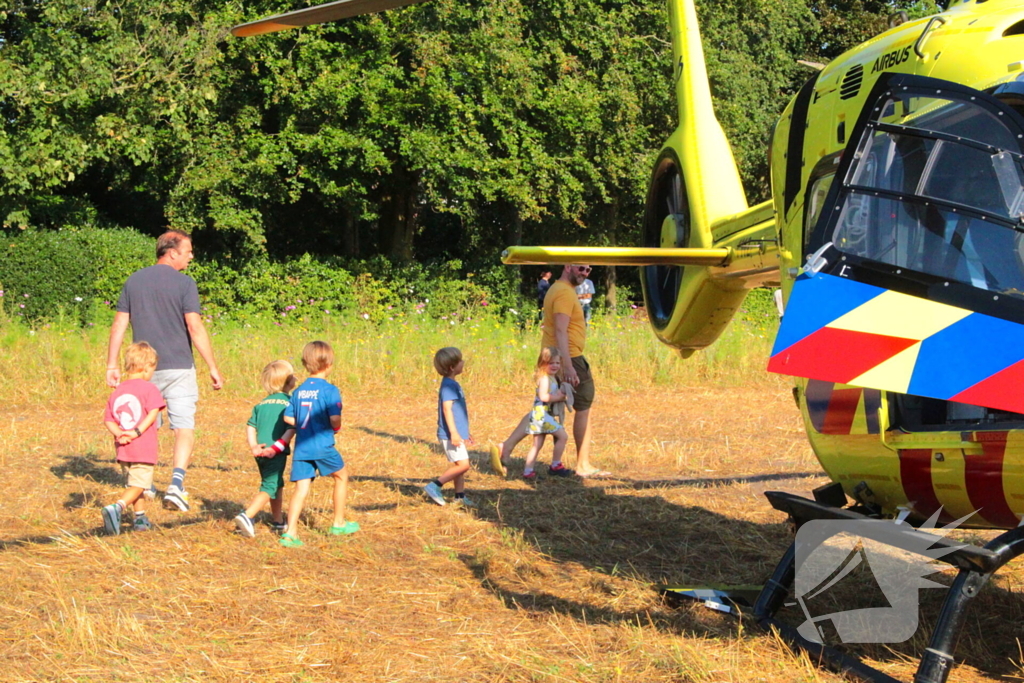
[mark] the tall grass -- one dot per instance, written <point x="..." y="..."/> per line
<point x="61" y="361"/>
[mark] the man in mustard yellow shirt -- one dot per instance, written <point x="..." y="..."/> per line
<point x="564" y="327"/>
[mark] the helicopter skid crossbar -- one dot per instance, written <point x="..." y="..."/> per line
<point x="976" y="566"/>
<point x="804" y="510"/>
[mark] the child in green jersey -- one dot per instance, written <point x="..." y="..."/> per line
<point x="268" y="437"/>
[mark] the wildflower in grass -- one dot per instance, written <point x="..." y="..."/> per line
<point x="289" y="308"/>
<point x="1" y="292"/>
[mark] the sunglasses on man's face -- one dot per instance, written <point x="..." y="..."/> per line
<point x="583" y="269"/>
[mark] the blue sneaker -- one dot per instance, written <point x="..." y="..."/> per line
<point x="560" y="471"/>
<point x="433" y="492"/>
<point x="112" y="519"/>
<point x="142" y="523"/>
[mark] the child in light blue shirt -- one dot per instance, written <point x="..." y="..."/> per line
<point x="452" y="427"/>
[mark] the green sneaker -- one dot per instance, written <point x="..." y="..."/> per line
<point x="142" y="523"/>
<point x="345" y="529"/>
<point x="289" y="541"/>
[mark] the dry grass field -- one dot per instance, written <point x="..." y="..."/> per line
<point x="551" y="582"/>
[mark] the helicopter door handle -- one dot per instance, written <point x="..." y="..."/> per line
<point x="921" y="39"/>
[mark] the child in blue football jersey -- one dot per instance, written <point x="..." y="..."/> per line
<point x="314" y="410"/>
<point x="452" y="427"/>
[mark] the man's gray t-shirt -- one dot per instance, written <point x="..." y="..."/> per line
<point x="156" y="300"/>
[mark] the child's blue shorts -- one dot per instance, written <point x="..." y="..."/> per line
<point x="308" y="469"/>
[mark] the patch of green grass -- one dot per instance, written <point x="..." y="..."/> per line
<point x="59" y="359"/>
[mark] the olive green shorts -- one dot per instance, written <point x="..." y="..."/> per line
<point x="583" y="393"/>
<point x="272" y="474"/>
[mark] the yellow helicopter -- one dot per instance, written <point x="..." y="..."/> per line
<point x="896" y="234"/>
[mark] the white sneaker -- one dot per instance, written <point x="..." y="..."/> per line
<point x="112" y="519"/>
<point x="176" y="499"/>
<point x="245" y="526"/>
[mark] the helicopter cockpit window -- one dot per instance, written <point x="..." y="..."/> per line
<point x="816" y="202"/>
<point x="936" y="185"/>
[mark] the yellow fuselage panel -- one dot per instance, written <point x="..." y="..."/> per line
<point x="967" y="46"/>
<point x="970" y="48"/>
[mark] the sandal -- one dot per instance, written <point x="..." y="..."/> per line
<point x="345" y="529"/>
<point x="496" y="464"/>
<point x="289" y="541"/>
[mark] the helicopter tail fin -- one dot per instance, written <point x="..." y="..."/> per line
<point x="696" y="201"/>
<point x="712" y="179"/>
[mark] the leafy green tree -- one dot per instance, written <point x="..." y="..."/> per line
<point x="847" y="23"/>
<point x="91" y="93"/>
<point x="464" y="125"/>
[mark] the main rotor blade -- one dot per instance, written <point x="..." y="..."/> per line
<point x="616" y="256"/>
<point x="343" y="9"/>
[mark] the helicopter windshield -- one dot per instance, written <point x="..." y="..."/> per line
<point x="936" y="186"/>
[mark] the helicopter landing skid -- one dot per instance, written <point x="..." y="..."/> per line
<point x="976" y="566"/>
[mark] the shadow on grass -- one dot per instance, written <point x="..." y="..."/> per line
<point x="709" y="482"/>
<point x="651" y="541"/>
<point x="374" y="507"/>
<point x="187" y="519"/>
<point x="93" y="468"/>
<point x="398" y="438"/>
<point x="545" y="603"/>
<point x="90" y="467"/>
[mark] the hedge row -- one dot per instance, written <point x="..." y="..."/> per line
<point x="76" y="272"/>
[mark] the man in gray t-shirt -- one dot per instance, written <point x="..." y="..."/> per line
<point x="162" y="305"/>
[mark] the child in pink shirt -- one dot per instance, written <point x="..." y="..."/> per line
<point x="131" y="417"/>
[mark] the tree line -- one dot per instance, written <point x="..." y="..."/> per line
<point x="443" y="130"/>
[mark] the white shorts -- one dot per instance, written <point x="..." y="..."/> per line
<point x="181" y="393"/>
<point x="454" y="453"/>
